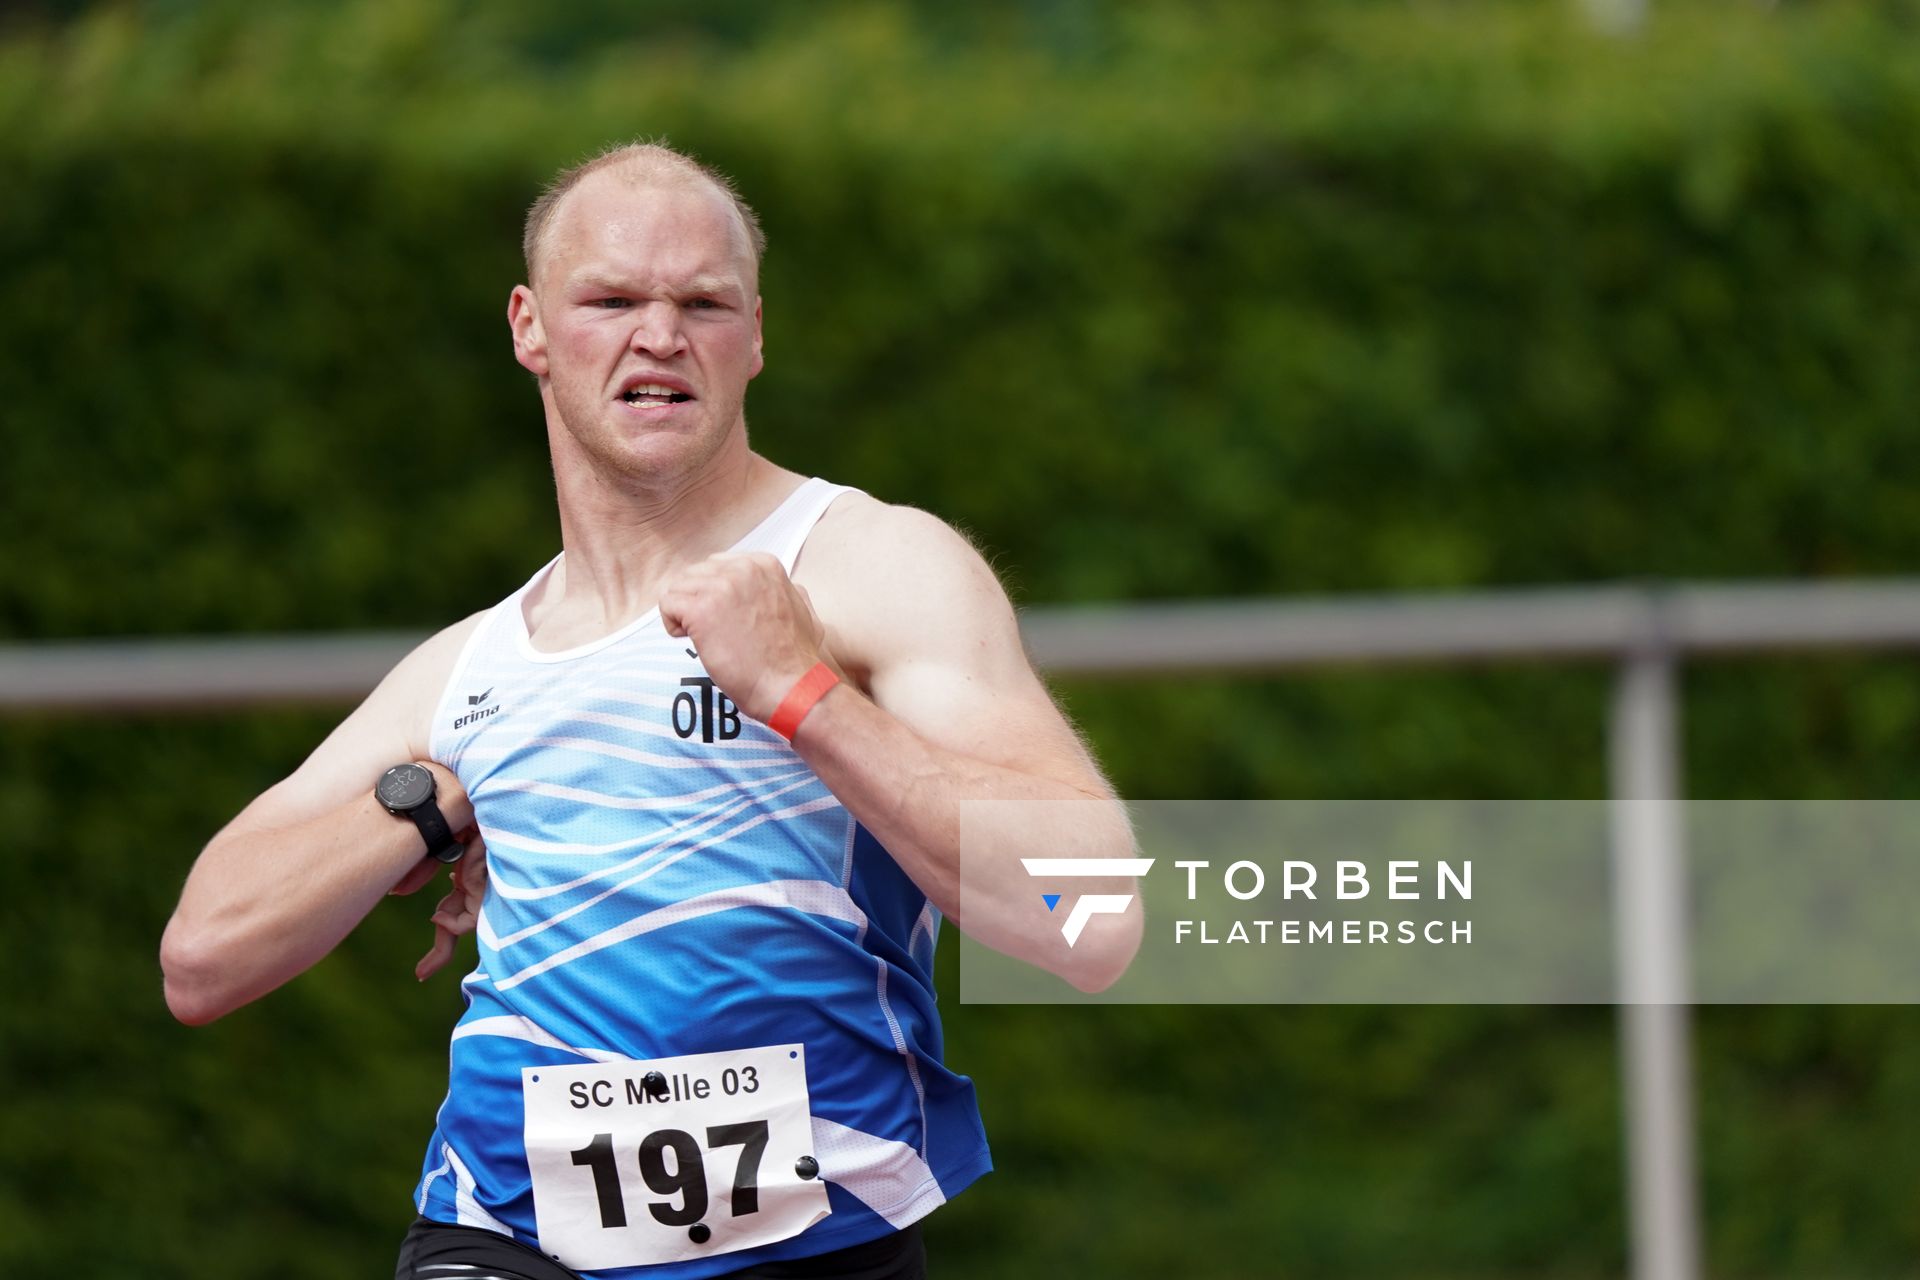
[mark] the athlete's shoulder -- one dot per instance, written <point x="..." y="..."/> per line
<point x="394" y="723"/>
<point x="411" y="691"/>
<point x="892" y="582"/>
<point x="906" y="550"/>
<point x="438" y="652"/>
<point x="859" y="527"/>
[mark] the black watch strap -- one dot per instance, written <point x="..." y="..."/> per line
<point x="433" y="829"/>
<point x="407" y="790"/>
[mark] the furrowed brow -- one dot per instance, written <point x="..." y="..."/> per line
<point x="720" y="286"/>
<point x="717" y="286"/>
<point x="595" y="282"/>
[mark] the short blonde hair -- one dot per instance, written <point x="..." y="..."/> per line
<point x="646" y="162"/>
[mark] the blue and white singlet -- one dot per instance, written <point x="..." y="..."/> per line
<point x="666" y="878"/>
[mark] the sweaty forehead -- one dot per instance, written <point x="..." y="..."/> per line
<point x="654" y="229"/>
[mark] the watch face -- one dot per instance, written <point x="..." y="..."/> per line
<point x="405" y="786"/>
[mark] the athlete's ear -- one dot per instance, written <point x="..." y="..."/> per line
<point x="758" y="362"/>
<point x="529" y="337"/>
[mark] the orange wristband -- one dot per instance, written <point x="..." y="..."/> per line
<point x="806" y="691"/>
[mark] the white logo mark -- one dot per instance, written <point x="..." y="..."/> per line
<point x="1087" y="905"/>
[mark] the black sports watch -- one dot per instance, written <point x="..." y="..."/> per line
<point x="407" y="791"/>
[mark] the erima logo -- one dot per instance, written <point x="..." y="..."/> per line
<point x="474" y="700"/>
<point x="1087" y="905"/>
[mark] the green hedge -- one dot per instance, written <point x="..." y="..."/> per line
<point x="1158" y="301"/>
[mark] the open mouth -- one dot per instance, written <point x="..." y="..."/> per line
<point x="653" y="395"/>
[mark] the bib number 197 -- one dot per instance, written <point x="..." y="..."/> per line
<point x="674" y="1158"/>
<point x="685" y="1175"/>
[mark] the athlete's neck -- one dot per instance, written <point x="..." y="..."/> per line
<point x="624" y="538"/>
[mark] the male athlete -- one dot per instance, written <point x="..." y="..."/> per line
<point x="718" y="751"/>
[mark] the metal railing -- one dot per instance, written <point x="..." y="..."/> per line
<point x="1645" y="631"/>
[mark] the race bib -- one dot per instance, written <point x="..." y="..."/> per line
<point x="674" y="1158"/>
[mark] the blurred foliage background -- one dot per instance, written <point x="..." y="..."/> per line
<point x="1157" y="300"/>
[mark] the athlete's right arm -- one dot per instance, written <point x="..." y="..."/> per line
<point x="287" y="879"/>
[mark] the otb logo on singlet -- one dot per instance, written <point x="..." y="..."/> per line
<point x="700" y="707"/>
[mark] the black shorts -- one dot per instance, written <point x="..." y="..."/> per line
<point x="440" y="1251"/>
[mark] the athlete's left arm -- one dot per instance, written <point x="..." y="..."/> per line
<point x="941" y="709"/>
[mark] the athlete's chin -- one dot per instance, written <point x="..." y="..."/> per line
<point x="654" y="454"/>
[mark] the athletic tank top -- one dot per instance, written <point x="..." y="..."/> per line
<point x="666" y="877"/>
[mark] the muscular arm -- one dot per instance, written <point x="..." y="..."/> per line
<point x="951" y="714"/>
<point x="287" y="879"/>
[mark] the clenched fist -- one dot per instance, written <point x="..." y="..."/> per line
<point x="754" y="627"/>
